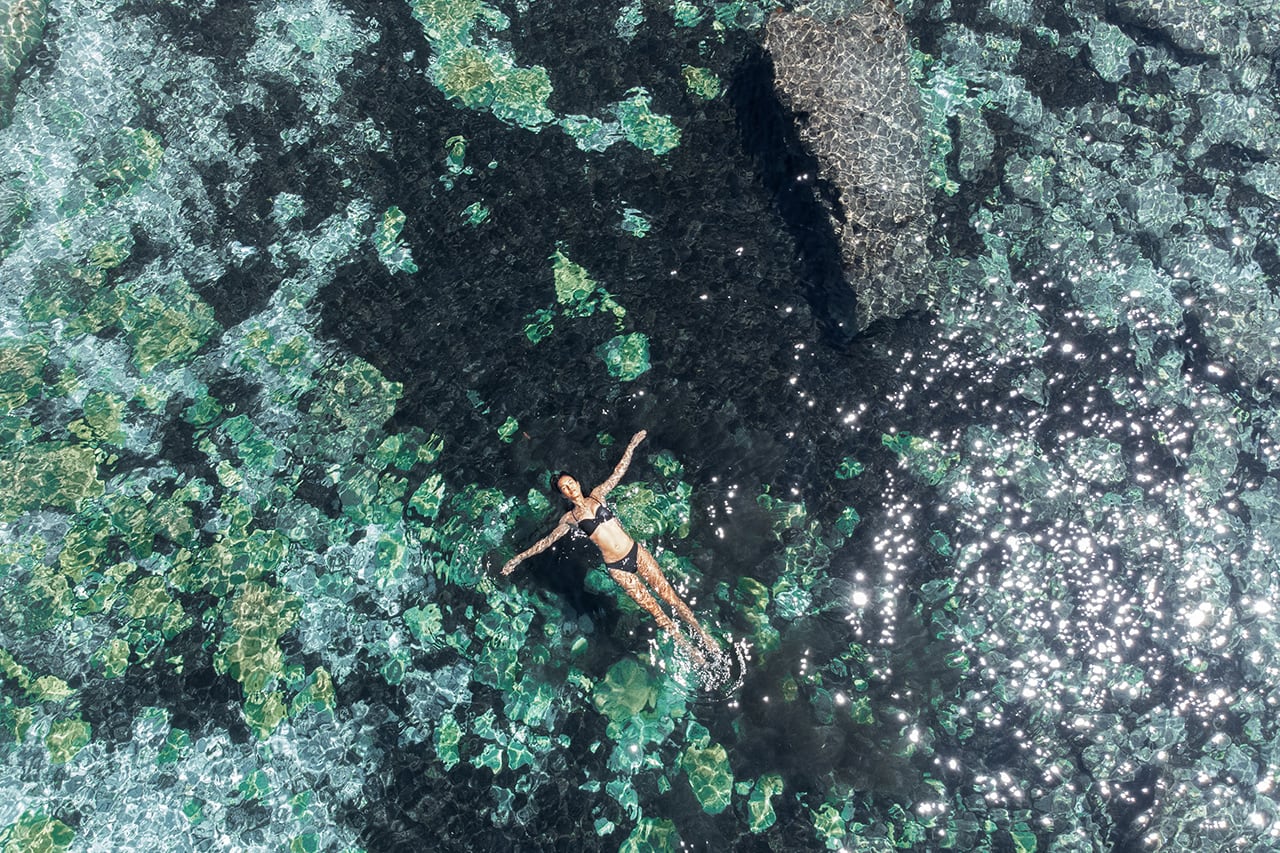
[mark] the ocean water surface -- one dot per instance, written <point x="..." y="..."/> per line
<point x="303" y="301"/>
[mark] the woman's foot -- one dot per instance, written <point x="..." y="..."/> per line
<point x="693" y="651"/>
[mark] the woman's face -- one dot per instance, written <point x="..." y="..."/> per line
<point x="569" y="487"/>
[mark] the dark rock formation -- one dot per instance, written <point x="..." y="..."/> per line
<point x="843" y="69"/>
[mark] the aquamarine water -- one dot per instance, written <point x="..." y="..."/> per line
<point x="303" y="302"/>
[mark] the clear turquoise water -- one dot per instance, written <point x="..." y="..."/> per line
<point x="302" y="302"/>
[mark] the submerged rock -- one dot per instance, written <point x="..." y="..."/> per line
<point x="844" y="69"/>
<point x="21" y="28"/>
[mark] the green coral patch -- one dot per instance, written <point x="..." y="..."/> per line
<point x="651" y="835"/>
<point x="759" y="806"/>
<point x="165" y="323"/>
<point x="648" y="512"/>
<point x="490" y="80"/>
<point x="250" y="653"/>
<point x="36" y="833"/>
<point x="626" y="356"/>
<point x="101" y="420"/>
<point x="828" y="826"/>
<point x="625" y="691"/>
<point x="392" y="252"/>
<point x="578" y="292"/>
<point x="709" y="776"/>
<point x="21" y="366"/>
<point x="573" y="283"/>
<point x="47" y="475"/>
<point x="702" y="83"/>
<point x="635" y="222"/>
<point x="447" y="20"/>
<point x="643" y="128"/>
<point x="66" y="738"/>
<point x="448" y="737"/>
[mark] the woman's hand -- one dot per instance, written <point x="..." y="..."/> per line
<point x="639" y="437"/>
<point x="510" y="566"/>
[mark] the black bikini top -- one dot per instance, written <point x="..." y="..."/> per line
<point x="589" y="524"/>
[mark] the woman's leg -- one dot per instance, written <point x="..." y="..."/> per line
<point x="641" y="596"/>
<point x="647" y="567"/>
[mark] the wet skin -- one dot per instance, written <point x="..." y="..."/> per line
<point x="615" y="543"/>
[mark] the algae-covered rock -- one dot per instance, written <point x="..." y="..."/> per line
<point x="759" y="805"/>
<point x="591" y="134"/>
<point x="651" y="835"/>
<point x="533" y="703"/>
<point x="177" y="744"/>
<point x="578" y="292"/>
<point x="21" y="367"/>
<point x="648" y="512"/>
<point x="165" y="321"/>
<point x="626" y="690"/>
<point x="475" y="213"/>
<point x="395" y="256"/>
<point x="847" y="69"/>
<point x="47" y="474"/>
<point x="21" y="27"/>
<point x="643" y="128"/>
<point x="66" y="738"/>
<point x="426" y="623"/>
<point x="702" y="83"/>
<point x="849" y="468"/>
<point x="709" y="776"/>
<point x="447" y="739"/>
<point x="36" y="833"/>
<point x="925" y="457"/>
<point x="635" y="223"/>
<point x="1097" y="460"/>
<point x="847" y="521"/>
<point x="250" y="652"/>
<point x="752" y="600"/>
<point x="828" y="826"/>
<point x="626" y="356"/>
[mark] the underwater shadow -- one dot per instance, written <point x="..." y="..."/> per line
<point x="804" y="201"/>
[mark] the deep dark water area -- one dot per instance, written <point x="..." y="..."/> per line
<point x="305" y="299"/>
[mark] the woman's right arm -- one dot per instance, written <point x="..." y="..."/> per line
<point x="538" y="547"/>
<point x="600" y="491"/>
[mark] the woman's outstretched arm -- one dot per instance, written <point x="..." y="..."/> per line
<point x="616" y="477"/>
<point x="562" y="527"/>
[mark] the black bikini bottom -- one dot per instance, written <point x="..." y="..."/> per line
<point x="627" y="563"/>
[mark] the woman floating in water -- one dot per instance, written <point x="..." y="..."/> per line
<point x="630" y="564"/>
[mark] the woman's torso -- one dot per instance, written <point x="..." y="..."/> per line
<point x="603" y="528"/>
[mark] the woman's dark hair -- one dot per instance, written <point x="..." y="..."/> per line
<point x="555" y="484"/>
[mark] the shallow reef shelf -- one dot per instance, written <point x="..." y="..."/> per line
<point x="304" y="301"/>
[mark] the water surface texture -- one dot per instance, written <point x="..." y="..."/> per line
<point x="301" y="302"/>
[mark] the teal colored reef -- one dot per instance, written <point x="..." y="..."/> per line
<point x="305" y="301"/>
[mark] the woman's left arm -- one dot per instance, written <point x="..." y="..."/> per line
<point x="616" y="477"/>
<point x="562" y="527"/>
